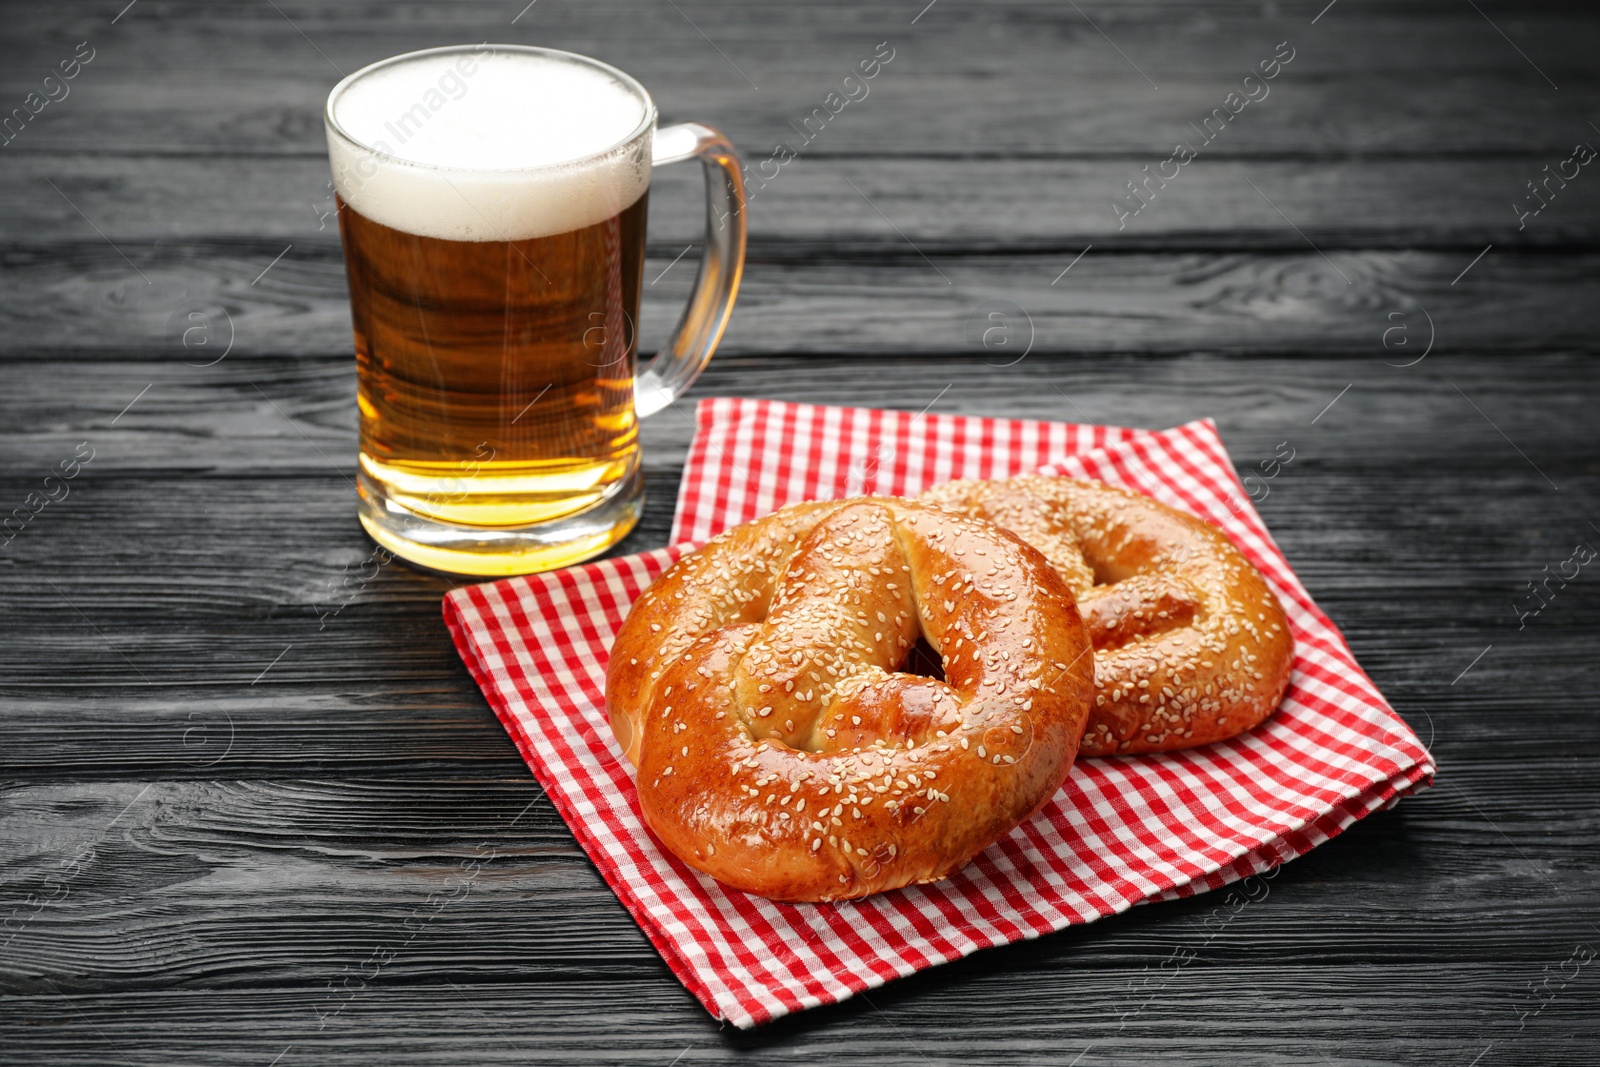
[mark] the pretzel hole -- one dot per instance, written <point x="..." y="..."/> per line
<point x="1106" y="571"/>
<point x="923" y="660"/>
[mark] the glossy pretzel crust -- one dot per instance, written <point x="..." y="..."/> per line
<point x="1191" y="646"/>
<point x="754" y="685"/>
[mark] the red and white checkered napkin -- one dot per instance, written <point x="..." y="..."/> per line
<point x="1120" y="831"/>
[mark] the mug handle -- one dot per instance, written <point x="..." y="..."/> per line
<point x="689" y="349"/>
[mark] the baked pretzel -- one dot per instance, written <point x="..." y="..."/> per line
<point x="754" y="687"/>
<point x="1190" y="645"/>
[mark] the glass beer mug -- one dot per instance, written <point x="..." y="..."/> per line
<point x="492" y="204"/>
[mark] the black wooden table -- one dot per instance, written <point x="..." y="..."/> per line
<point x="237" y="762"/>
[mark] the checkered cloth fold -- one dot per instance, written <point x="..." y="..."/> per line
<point x="1121" y="831"/>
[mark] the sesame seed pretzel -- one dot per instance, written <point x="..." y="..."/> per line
<point x="1191" y="646"/>
<point x="756" y="687"/>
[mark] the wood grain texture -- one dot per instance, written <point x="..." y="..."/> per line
<point x="966" y="78"/>
<point x="231" y="769"/>
<point x="196" y="300"/>
<point x="334" y="866"/>
<point x="255" y="417"/>
<point x="254" y="903"/>
<point x="1244" y="1013"/>
<point x="1417" y="571"/>
<point x="895" y="205"/>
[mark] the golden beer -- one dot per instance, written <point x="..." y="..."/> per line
<point x="496" y="383"/>
<point x="492" y="207"/>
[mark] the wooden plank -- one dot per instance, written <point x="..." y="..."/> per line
<point x="352" y="704"/>
<point x="922" y="105"/>
<point x="303" y="878"/>
<point x="1250" y="1014"/>
<point x="1033" y="78"/>
<point x="897" y="206"/>
<point x="78" y="300"/>
<point x="913" y="109"/>
<point x="1417" y="570"/>
<point x="259" y="419"/>
<point x="407" y="710"/>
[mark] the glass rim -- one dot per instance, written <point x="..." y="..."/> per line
<point x="627" y="80"/>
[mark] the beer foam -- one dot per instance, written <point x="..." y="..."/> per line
<point x="488" y="144"/>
